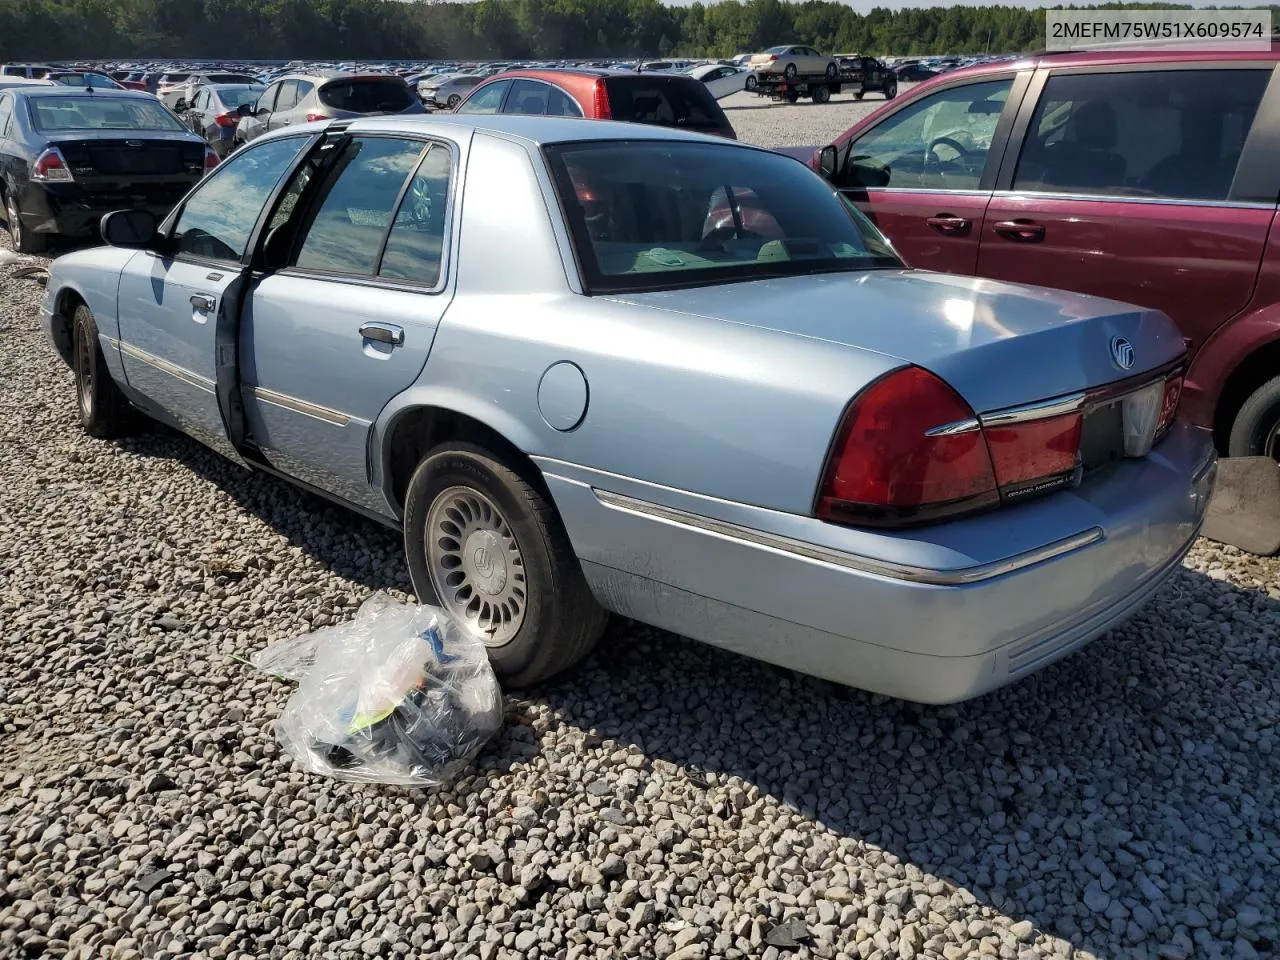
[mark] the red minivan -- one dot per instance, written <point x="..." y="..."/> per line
<point x="1150" y="177"/>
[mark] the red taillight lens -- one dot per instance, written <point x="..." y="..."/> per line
<point x="773" y="57"/>
<point x="313" y="117"/>
<point x="210" y="159"/>
<point x="52" y="166"/>
<point x="1034" y="452"/>
<point x="891" y="463"/>
<point x="226" y="119"/>
<point x="600" y="102"/>
<point x="1169" y="405"/>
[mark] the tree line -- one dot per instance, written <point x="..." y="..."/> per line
<point x="495" y="29"/>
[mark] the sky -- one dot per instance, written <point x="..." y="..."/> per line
<point x="865" y="6"/>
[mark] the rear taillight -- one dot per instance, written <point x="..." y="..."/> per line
<point x="600" y="102"/>
<point x="313" y="117"/>
<point x="51" y="166"/>
<point x="210" y="159"/>
<point x="910" y="448"/>
<point x="773" y="57"/>
<point x="227" y="119"/>
<point x="1169" y="405"/>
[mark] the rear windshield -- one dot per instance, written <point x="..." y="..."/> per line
<point x="174" y="77"/>
<point x="367" y="96"/>
<point x="229" y="78"/>
<point x="653" y="215"/>
<point x="100" y="113"/>
<point x="670" y="101"/>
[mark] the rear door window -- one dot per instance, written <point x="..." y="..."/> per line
<point x="1169" y="134"/>
<point x="345" y="229"/>
<point x="288" y="97"/>
<point x="371" y="95"/>
<point x="668" y="101"/>
<point x="415" y="246"/>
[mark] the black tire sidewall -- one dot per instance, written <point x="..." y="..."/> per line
<point x="463" y="465"/>
<point x="789" y="71"/>
<point x="1256" y="422"/>
<point x="96" y="421"/>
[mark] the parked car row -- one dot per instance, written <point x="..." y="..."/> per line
<point x="533" y="345"/>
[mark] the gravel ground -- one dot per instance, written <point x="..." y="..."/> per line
<point x="760" y="120"/>
<point x="664" y="801"/>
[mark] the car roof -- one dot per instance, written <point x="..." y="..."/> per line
<point x="61" y="91"/>
<point x="1112" y="58"/>
<point x="535" y="130"/>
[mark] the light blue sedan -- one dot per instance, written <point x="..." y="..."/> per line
<point x="593" y="367"/>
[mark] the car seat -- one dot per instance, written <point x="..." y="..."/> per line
<point x="1086" y="156"/>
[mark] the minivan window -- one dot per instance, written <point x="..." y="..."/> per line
<point x="647" y="214"/>
<point x="940" y="142"/>
<point x="370" y="95"/>
<point x="666" y="101"/>
<point x="1172" y="134"/>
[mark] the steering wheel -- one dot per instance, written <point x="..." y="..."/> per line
<point x="717" y="238"/>
<point x="956" y="145"/>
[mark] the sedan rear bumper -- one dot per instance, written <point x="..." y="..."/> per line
<point x="73" y="210"/>
<point x="903" y="625"/>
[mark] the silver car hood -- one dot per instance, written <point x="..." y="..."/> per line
<point x="999" y="344"/>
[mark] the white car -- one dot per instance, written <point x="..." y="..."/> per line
<point x="721" y="79"/>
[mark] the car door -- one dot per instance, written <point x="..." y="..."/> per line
<point x="171" y="304"/>
<point x="197" y="115"/>
<point x="725" y="81"/>
<point x="924" y="173"/>
<point x="1152" y="186"/>
<point x="347" y="320"/>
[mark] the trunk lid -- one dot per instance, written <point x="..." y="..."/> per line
<point x="998" y="344"/>
<point x="145" y="155"/>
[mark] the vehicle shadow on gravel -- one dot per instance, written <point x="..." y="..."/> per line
<point x="351" y="546"/>
<point x="1122" y="799"/>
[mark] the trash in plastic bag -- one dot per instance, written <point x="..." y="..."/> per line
<point x="401" y="694"/>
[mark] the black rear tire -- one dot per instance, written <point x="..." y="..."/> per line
<point x="104" y="411"/>
<point x="24" y="241"/>
<point x="831" y="71"/>
<point x="890" y="91"/>
<point x="1256" y="431"/>
<point x="821" y="94"/>
<point x="561" y="619"/>
<point x="791" y="96"/>
<point x="789" y="71"/>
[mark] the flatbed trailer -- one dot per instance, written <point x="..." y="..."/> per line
<point x="820" y="88"/>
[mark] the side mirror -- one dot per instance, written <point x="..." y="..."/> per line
<point x="827" y="157"/>
<point x="134" y="229"/>
<point x="181" y="106"/>
<point x="244" y="109"/>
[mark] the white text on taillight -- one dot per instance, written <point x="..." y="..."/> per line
<point x="51" y="166"/>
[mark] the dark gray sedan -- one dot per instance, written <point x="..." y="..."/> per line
<point x="213" y="112"/>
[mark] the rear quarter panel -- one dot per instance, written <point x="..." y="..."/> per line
<point x="91" y="276"/>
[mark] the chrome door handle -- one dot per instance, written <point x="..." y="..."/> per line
<point x="201" y="302"/>
<point x="383" y="333"/>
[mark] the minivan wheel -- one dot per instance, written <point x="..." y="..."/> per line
<point x="1256" y="431"/>
<point x="104" y="412"/>
<point x="485" y="545"/>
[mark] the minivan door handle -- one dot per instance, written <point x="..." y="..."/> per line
<point x="950" y="225"/>
<point x="383" y="333"/>
<point x="1020" y="231"/>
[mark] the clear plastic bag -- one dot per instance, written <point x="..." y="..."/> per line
<point x="401" y="694"/>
